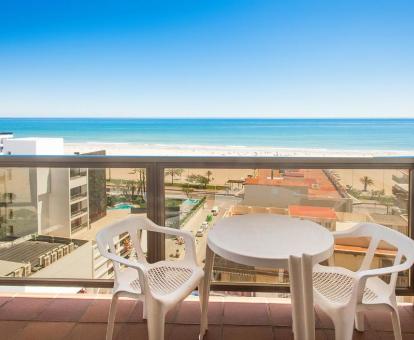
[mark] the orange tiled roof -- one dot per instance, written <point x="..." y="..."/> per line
<point x="315" y="180"/>
<point x="310" y="211"/>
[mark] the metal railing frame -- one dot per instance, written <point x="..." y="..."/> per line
<point x="155" y="166"/>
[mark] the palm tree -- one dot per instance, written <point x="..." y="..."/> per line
<point x="209" y="173"/>
<point x="366" y="181"/>
<point x="141" y="181"/>
<point x="131" y="187"/>
<point x="173" y="172"/>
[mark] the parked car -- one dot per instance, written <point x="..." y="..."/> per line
<point x="204" y="225"/>
<point x="199" y="233"/>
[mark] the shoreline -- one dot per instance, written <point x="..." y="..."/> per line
<point x="132" y="149"/>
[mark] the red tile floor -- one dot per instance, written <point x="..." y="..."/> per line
<point x="43" y="318"/>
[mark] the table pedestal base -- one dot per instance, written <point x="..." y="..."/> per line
<point x="300" y="274"/>
<point x="301" y="291"/>
<point x="205" y="291"/>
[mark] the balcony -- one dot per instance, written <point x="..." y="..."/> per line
<point x="329" y="191"/>
<point x="82" y="317"/>
<point x="78" y="213"/>
<point x="78" y="172"/>
<point x="78" y="197"/>
<point x="77" y="226"/>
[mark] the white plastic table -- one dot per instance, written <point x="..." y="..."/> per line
<point x="272" y="241"/>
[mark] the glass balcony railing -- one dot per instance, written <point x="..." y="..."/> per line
<point x="79" y="196"/>
<point x="192" y="194"/>
<point x="196" y="199"/>
<point x="78" y="192"/>
<point x="79" y="212"/>
<point x="75" y="227"/>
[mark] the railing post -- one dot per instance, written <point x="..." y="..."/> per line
<point x="155" y="211"/>
<point x="411" y="218"/>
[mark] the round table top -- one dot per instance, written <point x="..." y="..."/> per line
<point x="268" y="240"/>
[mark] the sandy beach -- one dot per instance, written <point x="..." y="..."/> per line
<point x="131" y="149"/>
<point x="381" y="178"/>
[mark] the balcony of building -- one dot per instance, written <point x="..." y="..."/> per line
<point x="327" y="191"/>
<point x="78" y="212"/>
<point x="78" y="194"/>
<point x="78" y="172"/>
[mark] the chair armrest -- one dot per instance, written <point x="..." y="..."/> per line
<point x="363" y="274"/>
<point x="126" y="262"/>
<point x="142" y="270"/>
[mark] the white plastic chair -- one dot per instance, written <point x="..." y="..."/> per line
<point x="344" y="295"/>
<point x="159" y="285"/>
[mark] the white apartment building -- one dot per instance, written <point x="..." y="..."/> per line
<point x="40" y="210"/>
<point x="3" y="137"/>
<point x="45" y="212"/>
<point x="58" y="196"/>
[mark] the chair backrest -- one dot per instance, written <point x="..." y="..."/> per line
<point x="377" y="233"/>
<point x="108" y="237"/>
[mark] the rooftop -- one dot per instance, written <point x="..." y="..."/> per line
<point x="313" y="212"/>
<point x="393" y="220"/>
<point x="314" y="180"/>
<point x="28" y="251"/>
<point x="258" y="318"/>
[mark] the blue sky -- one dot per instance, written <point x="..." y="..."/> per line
<point x="197" y="58"/>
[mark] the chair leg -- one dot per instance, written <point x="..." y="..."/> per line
<point x="111" y="317"/>
<point x="155" y="320"/>
<point x="344" y="327"/>
<point x="360" y="321"/>
<point x="396" y="324"/>
<point x="204" y="290"/>
<point x="144" y="310"/>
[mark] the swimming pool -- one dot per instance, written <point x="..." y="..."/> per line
<point x="191" y="201"/>
<point x="121" y="206"/>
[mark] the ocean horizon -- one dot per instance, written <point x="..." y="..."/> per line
<point x="304" y="133"/>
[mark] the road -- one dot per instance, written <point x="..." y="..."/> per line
<point x="194" y="223"/>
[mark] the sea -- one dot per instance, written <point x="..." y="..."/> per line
<point x="349" y="134"/>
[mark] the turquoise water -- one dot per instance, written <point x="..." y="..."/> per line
<point x="191" y="201"/>
<point x="122" y="206"/>
<point x="352" y="134"/>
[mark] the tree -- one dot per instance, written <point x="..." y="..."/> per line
<point x="110" y="202"/>
<point x="202" y="180"/>
<point x="141" y="181"/>
<point x="173" y="172"/>
<point x="366" y="181"/>
<point x="131" y="187"/>
<point x="209" y="173"/>
<point x="187" y="190"/>
<point x="388" y="201"/>
<point x="192" y="178"/>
